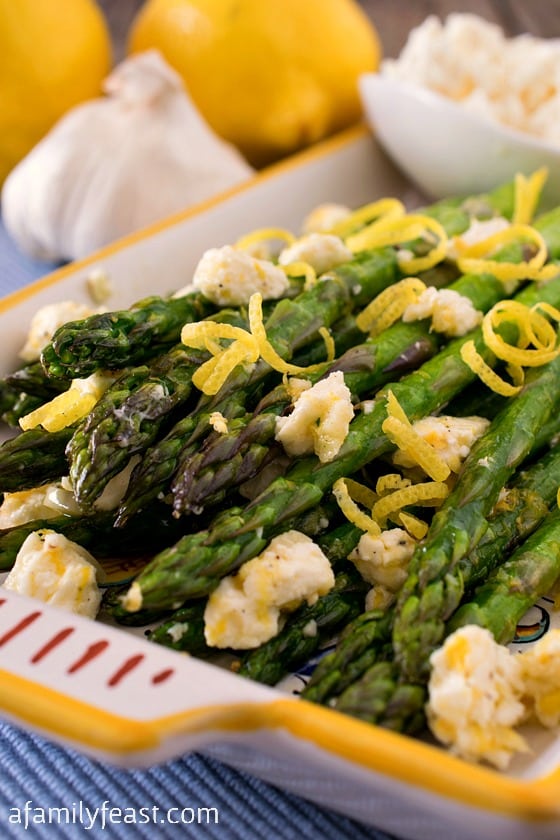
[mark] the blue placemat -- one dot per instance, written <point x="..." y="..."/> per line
<point x="37" y="776"/>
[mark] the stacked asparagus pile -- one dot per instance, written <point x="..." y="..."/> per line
<point x="495" y="533"/>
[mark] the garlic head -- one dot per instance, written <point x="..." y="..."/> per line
<point x="116" y="164"/>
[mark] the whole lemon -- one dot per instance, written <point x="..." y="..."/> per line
<point x="53" y="55"/>
<point x="270" y="76"/>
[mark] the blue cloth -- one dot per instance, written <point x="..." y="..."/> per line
<point x="45" y="776"/>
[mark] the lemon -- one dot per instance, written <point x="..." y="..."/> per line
<point x="53" y="55"/>
<point x="270" y="76"/>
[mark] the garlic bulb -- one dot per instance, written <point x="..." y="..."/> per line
<point x="115" y="164"/>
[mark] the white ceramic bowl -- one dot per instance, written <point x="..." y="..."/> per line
<point x="445" y="149"/>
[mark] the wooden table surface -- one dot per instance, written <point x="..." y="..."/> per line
<point x="395" y="18"/>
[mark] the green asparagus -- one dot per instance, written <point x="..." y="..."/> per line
<point x="230" y="459"/>
<point x="194" y="566"/>
<point x="520" y="510"/>
<point x="531" y="572"/>
<point x="33" y="458"/>
<point x="119" y="339"/>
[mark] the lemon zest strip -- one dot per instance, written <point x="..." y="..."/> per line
<point x="477" y="258"/>
<point x="425" y="494"/>
<point x="300" y="268"/>
<point x="400" y="431"/>
<point x="60" y="412"/>
<point x="351" y="510"/>
<point x="264" y="234"/>
<point x="394" y="408"/>
<point x="420" y="451"/>
<point x="394" y="231"/>
<point x="205" y="335"/>
<point x="530" y="325"/>
<point x="368" y="214"/>
<point x="329" y="343"/>
<point x="473" y="360"/>
<point x="265" y="348"/>
<point x="416" y="527"/>
<point x="527" y="195"/>
<point x="390" y="482"/>
<point x="388" y="306"/>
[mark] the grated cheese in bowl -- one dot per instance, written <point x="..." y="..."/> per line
<point x="515" y="81"/>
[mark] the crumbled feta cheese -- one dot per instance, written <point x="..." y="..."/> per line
<point x="322" y="251"/>
<point x="541" y="678"/>
<point x="56" y="570"/>
<point x="319" y="421"/>
<point x="45" y="323"/>
<point x="25" y="506"/>
<point x="218" y="422"/>
<point x="383" y="560"/>
<point x="177" y="631"/>
<point x="379" y="598"/>
<point x="451" y="437"/>
<point x="324" y="217"/>
<point x="478" y="231"/>
<point x="245" y="610"/>
<point x="514" y="81"/>
<point x="229" y="276"/>
<point x="310" y="630"/>
<point x="132" y="599"/>
<point x="475" y="697"/>
<point x="99" y="285"/>
<point x="452" y="314"/>
<point x="296" y="386"/>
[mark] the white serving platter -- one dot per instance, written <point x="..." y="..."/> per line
<point x="113" y="695"/>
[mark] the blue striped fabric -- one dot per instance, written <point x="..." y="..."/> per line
<point x="46" y="776"/>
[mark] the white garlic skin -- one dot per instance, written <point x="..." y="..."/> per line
<point x="115" y="164"/>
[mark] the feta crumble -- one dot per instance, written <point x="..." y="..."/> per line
<point x="452" y="314"/>
<point x="322" y="251"/>
<point x="383" y="561"/>
<point x="229" y="276"/>
<point x="324" y="217"/>
<point x="319" y="421"/>
<point x="45" y="323"/>
<point x="451" y="437"/>
<point x="218" y="422"/>
<point x="26" y="505"/>
<point x="541" y="678"/>
<point x="478" y="231"/>
<point x="57" y="571"/>
<point x="246" y="609"/>
<point x="475" y="697"/>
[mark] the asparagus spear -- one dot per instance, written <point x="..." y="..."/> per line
<point x="227" y="460"/>
<point x="31" y="380"/>
<point x="151" y="478"/>
<point x="434" y="586"/>
<point x="96" y="532"/>
<point x="16" y="404"/>
<point x="459" y="547"/>
<point x="498" y="605"/>
<point x="505" y="596"/>
<point x="291" y="326"/>
<point x="33" y="458"/>
<point x="194" y="566"/>
<point x="305" y="631"/>
<point x="183" y="630"/>
<point x="127" y="419"/>
<point x="118" y="339"/>
<point x="205" y="476"/>
<point x="368" y="639"/>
